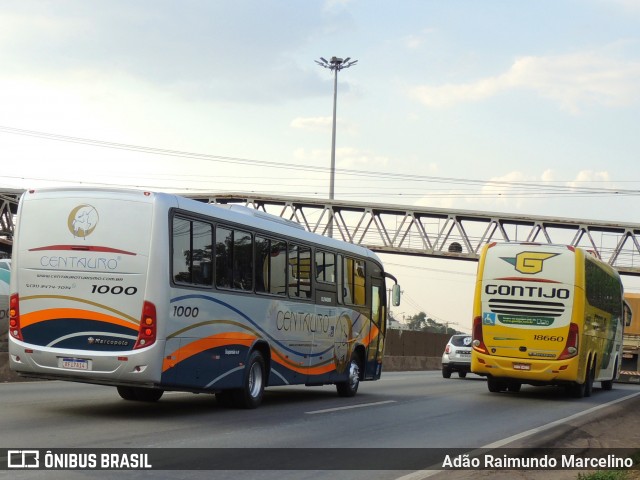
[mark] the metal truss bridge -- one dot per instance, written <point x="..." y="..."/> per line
<point x="418" y="231"/>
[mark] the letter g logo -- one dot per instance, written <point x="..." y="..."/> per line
<point x="531" y="262"/>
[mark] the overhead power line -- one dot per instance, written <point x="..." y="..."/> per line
<point x="539" y="188"/>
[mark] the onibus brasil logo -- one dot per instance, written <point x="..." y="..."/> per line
<point x="82" y="220"/>
<point x="529" y="262"/>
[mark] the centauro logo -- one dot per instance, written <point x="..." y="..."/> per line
<point x="82" y="220"/>
<point x="529" y="262"/>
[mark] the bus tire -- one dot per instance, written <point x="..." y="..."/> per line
<point x="608" y="384"/>
<point x="495" y="386"/>
<point x="225" y="398"/>
<point x="127" y="393"/>
<point x="514" y="387"/>
<point x="580" y="390"/>
<point x="588" y="382"/>
<point x="148" y="394"/>
<point x="350" y="387"/>
<point x="250" y="395"/>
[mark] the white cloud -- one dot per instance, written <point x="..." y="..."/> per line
<point x="573" y="80"/>
<point x="346" y="157"/>
<point x="315" y="124"/>
<point x="630" y="5"/>
<point x="547" y="176"/>
<point x="312" y="123"/>
<point x="587" y="177"/>
<point x="417" y="40"/>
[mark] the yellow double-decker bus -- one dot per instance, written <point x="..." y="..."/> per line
<point x="546" y="315"/>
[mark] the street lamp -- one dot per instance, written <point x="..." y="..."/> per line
<point x="335" y="65"/>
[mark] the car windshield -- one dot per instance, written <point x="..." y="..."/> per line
<point x="461" y="341"/>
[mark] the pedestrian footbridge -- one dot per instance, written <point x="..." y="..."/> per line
<point x="419" y="231"/>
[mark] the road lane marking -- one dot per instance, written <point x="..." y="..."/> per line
<point x="519" y="436"/>
<point x="349" y="407"/>
<point x="422" y="474"/>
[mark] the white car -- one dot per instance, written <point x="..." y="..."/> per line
<point x="457" y="356"/>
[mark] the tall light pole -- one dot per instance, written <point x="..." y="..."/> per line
<point x="335" y="65"/>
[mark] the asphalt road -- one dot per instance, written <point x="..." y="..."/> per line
<point x="404" y="410"/>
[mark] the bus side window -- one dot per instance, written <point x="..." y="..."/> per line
<point x="325" y="267"/>
<point x="224" y="259"/>
<point x="299" y="271"/>
<point x="270" y="262"/>
<point x="242" y="260"/>
<point x="234" y="259"/>
<point x="192" y="252"/>
<point x="354" y="281"/>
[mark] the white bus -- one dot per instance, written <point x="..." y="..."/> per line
<point x="150" y="292"/>
<point x="5" y="275"/>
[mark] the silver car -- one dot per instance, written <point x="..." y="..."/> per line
<point x="457" y="356"/>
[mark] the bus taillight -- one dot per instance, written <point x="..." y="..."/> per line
<point x="571" y="347"/>
<point x="478" y="339"/>
<point x="148" y="326"/>
<point x="14" y="317"/>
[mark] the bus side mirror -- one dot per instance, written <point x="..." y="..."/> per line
<point x="395" y="295"/>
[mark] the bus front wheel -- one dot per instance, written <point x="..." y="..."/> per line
<point x="350" y="387"/>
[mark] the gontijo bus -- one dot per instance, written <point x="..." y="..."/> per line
<point x="546" y="315"/>
<point x="150" y="292"/>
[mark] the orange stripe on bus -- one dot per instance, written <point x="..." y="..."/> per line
<point x="32" y="318"/>
<point x="204" y="344"/>
<point x="287" y="363"/>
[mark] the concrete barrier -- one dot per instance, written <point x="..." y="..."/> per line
<point x="395" y="363"/>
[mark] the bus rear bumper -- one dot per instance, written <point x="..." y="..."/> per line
<point x="529" y="371"/>
<point x="109" y="368"/>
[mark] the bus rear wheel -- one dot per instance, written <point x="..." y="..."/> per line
<point x="140" y="394"/>
<point x="252" y="391"/>
<point x="496" y="386"/>
<point x="579" y="390"/>
<point x="608" y="384"/>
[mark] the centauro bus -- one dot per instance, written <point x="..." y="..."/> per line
<point x="546" y="315"/>
<point x="150" y="292"/>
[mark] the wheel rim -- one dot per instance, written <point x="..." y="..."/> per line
<point x="255" y="380"/>
<point x="354" y="374"/>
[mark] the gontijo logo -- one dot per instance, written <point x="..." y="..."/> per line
<point x="82" y="220"/>
<point x="529" y="262"/>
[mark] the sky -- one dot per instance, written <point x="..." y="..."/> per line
<point x="458" y="94"/>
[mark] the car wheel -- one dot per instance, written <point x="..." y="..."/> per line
<point x="446" y="373"/>
<point x="462" y="374"/>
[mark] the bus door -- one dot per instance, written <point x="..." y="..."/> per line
<point x="377" y="332"/>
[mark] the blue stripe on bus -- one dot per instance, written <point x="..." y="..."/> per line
<point x="230" y="307"/>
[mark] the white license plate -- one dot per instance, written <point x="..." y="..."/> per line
<point x="75" y="363"/>
<point x="522" y="366"/>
